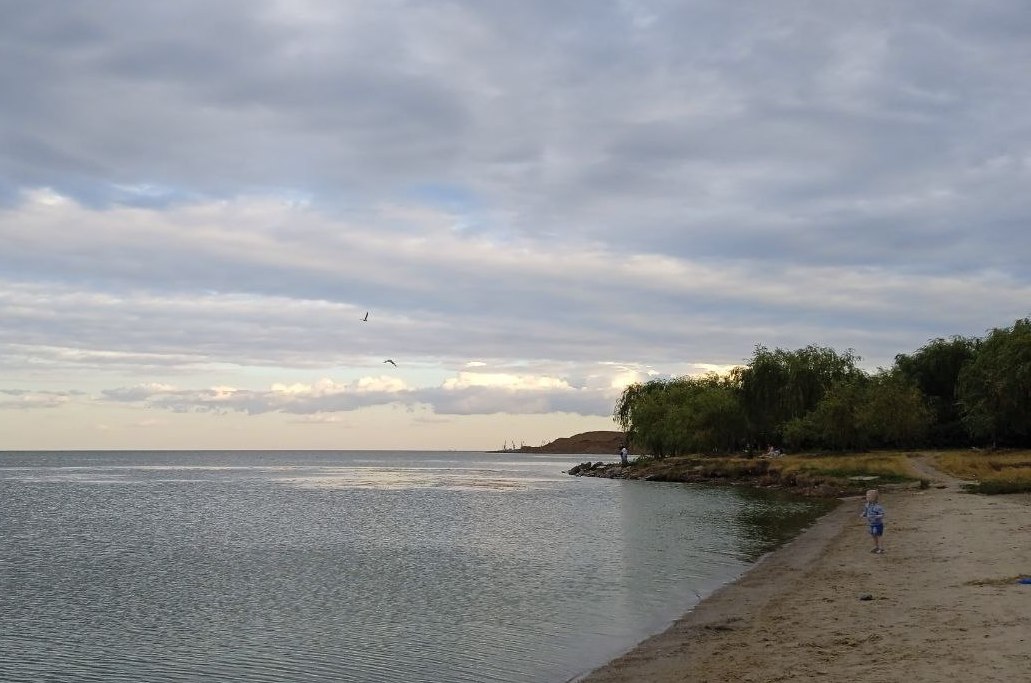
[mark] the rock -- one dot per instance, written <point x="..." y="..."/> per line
<point x="866" y="596"/>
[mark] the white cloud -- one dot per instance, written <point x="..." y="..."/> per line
<point x="150" y="423"/>
<point x="466" y="393"/>
<point x="465" y="380"/>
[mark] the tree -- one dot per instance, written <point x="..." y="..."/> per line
<point x="638" y="406"/>
<point x="709" y="415"/>
<point x="995" y="387"/>
<point x="652" y="422"/>
<point x="832" y="423"/>
<point x="779" y="386"/>
<point x="935" y="370"/>
<point x="683" y="414"/>
<point x="893" y="412"/>
<point x="815" y="397"/>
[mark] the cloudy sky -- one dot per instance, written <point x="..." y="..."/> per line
<point x="536" y="202"/>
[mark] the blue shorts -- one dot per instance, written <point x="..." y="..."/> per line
<point x="877" y="529"/>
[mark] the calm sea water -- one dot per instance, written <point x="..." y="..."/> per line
<point x="352" y="566"/>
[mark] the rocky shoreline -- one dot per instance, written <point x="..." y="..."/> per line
<point x="754" y="472"/>
<point x="757" y="471"/>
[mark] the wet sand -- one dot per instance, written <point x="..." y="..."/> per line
<point x="942" y="603"/>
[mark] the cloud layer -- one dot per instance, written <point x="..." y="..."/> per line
<point x="536" y="202"/>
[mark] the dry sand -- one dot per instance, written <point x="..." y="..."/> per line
<point x="945" y="604"/>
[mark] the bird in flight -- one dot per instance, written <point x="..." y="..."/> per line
<point x="391" y="362"/>
<point x="366" y="318"/>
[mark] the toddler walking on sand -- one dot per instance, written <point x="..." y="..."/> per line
<point x="874" y="513"/>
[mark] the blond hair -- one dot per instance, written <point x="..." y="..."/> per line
<point x="871" y="496"/>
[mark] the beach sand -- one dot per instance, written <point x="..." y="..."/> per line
<point x="943" y="602"/>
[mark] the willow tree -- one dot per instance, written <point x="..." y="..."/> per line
<point x="995" y="387"/>
<point x="683" y="415"/>
<point x="894" y="413"/>
<point x="714" y="418"/>
<point x="637" y="406"/>
<point x="935" y="368"/>
<point x="779" y="386"/>
<point x="833" y="422"/>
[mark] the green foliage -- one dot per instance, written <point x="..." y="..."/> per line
<point x="995" y="387"/>
<point x="638" y="407"/>
<point x="652" y="421"/>
<point x="816" y="398"/>
<point x="935" y="370"/>
<point x="893" y="413"/>
<point x="833" y="422"/>
<point x="779" y="386"/>
<point x="681" y="415"/>
<point x="709" y="416"/>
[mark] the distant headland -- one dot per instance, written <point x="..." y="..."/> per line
<point x="600" y="442"/>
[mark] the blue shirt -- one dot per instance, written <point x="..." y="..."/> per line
<point x="874" y="513"/>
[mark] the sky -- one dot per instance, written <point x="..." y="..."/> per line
<point x="536" y="203"/>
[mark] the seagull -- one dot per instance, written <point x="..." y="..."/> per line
<point x="366" y="318"/>
<point x="391" y="362"/>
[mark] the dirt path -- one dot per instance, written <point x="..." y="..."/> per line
<point x="923" y="467"/>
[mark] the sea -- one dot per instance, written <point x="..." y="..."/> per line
<point x="364" y="566"/>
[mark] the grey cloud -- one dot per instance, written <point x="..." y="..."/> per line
<point x="628" y="181"/>
<point x="484" y="400"/>
<point x="140" y="392"/>
<point x="23" y="399"/>
<point x="281" y="302"/>
<point x="703" y="105"/>
<point x="236" y="101"/>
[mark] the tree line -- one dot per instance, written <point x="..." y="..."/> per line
<point x="954" y="392"/>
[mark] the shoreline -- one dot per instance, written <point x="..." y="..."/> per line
<point x="723" y="608"/>
<point x="755" y="472"/>
<point x="946" y="582"/>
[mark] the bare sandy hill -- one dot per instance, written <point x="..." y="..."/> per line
<point x="601" y="442"/>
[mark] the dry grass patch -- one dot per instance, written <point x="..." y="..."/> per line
<point x="891" y="467"/>
<point x="992" y="471"/>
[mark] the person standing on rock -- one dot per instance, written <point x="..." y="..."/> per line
<point x="624" y="456"/>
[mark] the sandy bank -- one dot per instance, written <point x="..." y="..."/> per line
<point x="945" y="604"/>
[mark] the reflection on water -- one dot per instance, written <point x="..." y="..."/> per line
<point x="381" y="478"/>
<point x="317" y="566"/>
<point x="768" y="519"/>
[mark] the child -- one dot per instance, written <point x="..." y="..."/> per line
<point x="874" y="513"/>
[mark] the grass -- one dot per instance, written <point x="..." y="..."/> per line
<point x="886" y="466"/>
<point x="990" y="471"/>
<point x="829" y="475"/>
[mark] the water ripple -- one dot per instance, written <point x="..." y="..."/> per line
<point x="215" y="567"/>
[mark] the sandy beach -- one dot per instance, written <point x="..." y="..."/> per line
<point x="941" y="604"/>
